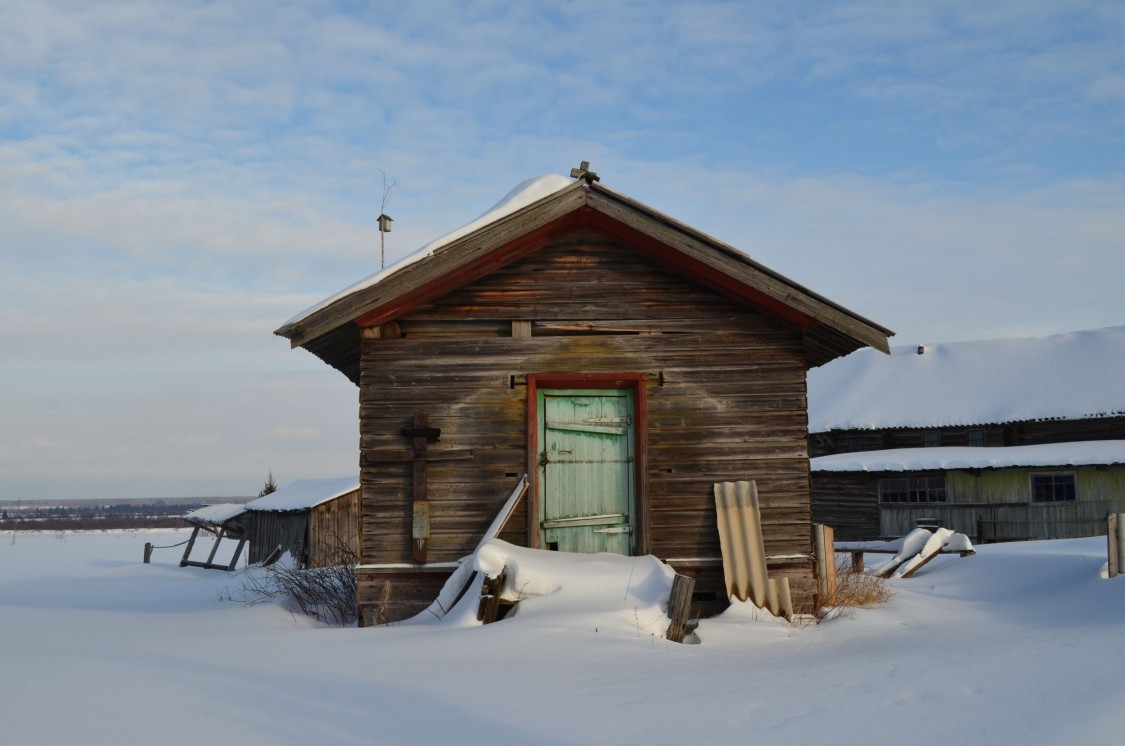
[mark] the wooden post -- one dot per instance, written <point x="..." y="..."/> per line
<point x="421" y="530"/>
<point x="237" y="554"/>
<point x="215" y="547"/>
<point x="1113" y="522"/>
<point x="148" y="552"/>
<point x="489" y="607"/>
<point x="679" y="607"/>
<point x="857" y="562"/>
<point x="190" y="544"/>
<point x="825" y="561"/>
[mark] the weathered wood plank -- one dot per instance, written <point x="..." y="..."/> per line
<point x="679" y="607"/>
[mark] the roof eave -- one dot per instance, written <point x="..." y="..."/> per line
<point x="837" y="329"/>
<point x="415" y="275"/>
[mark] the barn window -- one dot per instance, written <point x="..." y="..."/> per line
<point x="1054" y="487"/>
<point x="912" y="490"/>
<point x="931" y="439"/>
<point x="976" y="437"/>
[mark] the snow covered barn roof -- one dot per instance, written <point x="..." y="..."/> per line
<point x="1086" y="453"/>
<point x="215" y="515"/>
<point x="523" y="222"/>
<point x="304" y="494"/>
<point x="1063" y="376"/>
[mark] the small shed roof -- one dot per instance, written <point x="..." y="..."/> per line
<point x="215" y="515"/>
<point x="304" y="494"/>
<point x="523" y="222"/>
<point x="1061" y="376"/>
<point x="1083" y="453"/>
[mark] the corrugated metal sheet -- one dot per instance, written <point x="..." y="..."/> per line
<point x="744" y="556"/>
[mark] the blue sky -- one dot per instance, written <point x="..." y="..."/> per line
<point x="179" y="178"/>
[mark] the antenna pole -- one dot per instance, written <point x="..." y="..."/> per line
<point x="384" y="220"/>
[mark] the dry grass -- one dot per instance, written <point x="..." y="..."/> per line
<point x="857" y="589"/>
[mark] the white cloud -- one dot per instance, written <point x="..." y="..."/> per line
<point x="42" y="442"/>
<point x="177" y="179"/>
<point x="193" y="440"/>
<point x="282" y="432"/>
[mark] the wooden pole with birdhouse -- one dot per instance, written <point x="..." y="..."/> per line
<point x="385" y="220"/>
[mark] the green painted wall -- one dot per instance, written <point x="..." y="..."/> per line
<point x="995" y="504"/>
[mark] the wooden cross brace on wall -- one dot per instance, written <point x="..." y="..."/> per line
<point x="421" y="435"/>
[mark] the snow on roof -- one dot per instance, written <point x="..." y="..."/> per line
<point x="215" y="515"/>
<point x="1084" y="453"/>
<point x="1063" y="376"/>
<point x="524" y="194"/>
<point x="304" y="494"/>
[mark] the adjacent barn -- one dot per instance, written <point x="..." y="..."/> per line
<point x="315" y="520"/>
<point x="998" y="439"/>
<point x="624" y="361"/>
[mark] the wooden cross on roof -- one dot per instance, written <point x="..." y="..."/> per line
<point x="583" y="172"/>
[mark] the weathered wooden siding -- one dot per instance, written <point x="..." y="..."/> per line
<point x="320" y="536"/>
<point x="725" y="389"/>
<point x="987" y="505"/>
<point x="845" y="501"/>
<point x="334" y="531"/>
<point x="387" y="595"/>
<point x="270" y="530"/>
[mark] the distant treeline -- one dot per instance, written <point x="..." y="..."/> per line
<point x="164" y="514"/>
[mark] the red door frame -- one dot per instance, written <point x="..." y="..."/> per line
<point x="634" y="382"/>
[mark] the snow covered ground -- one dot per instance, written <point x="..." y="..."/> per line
<point x="1017" y="645"/>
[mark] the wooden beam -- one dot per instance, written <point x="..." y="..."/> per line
<point x="372" y="456"/>
<point x="190" y="544"/>
<point x="1114" y="545"/>
<point x="679" y="607"/>
<point x="521" y="328"/>
<point x="237" y="553"/>
<point x="489" y="607"/>
<point x="390" y="330"/>
<point x="215" y="547"/>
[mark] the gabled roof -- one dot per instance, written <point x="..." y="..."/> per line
<point x="525" y="221"/>
<point x="1063" y="376"/>
<point x="304" y="494"/>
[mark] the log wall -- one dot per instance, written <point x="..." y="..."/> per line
<point x="269" y="530"/>
<point x="725" y="390"/>
<point x="986" y="505"/>
<point x="334" y="531"/>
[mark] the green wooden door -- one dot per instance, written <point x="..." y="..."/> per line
<point x="586" y="470"/>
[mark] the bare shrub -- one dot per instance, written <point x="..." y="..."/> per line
<point x="325" y="593"/>
<point x="857" y="589"/>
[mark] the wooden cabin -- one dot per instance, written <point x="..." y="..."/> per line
<point x="624" y="361"/>
<point x="997" y="439"/>
<point x="315" y="520"/>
